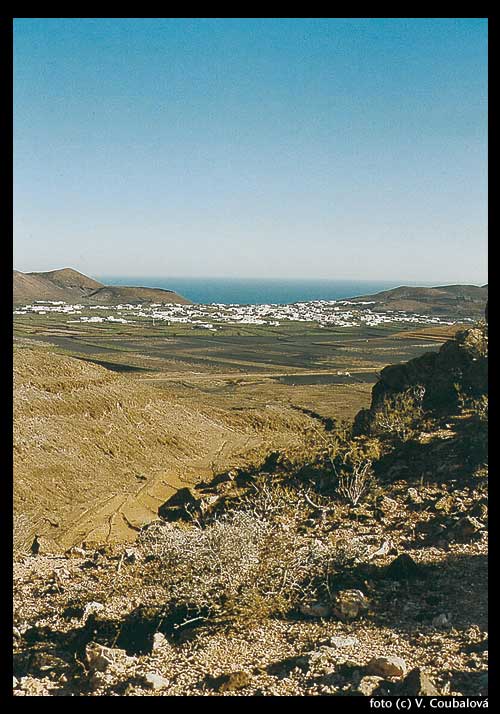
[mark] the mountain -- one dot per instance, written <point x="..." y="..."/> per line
<point x="36" y="286"/>
<point x="67" y="278"/>
<point x="445" y="300"/>
<point x="71" y="286"/>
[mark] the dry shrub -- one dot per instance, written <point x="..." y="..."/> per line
<point x="248" y="564"/>
<point x="274" y="502"/>
<point x="345" y="462"/>
<point x="400" y="414"/>
<point x="353" y="485"/>
<point x="348" y="462"/>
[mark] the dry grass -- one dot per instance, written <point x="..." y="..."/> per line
<point x="95" y="451"/>
<point x="22" y="534"/>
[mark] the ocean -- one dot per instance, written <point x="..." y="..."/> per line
<point x="256" y="291"/>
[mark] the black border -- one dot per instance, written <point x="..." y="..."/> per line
<point x="6" y="517"/>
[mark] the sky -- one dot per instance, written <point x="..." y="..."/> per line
<point x="293" y="148"/>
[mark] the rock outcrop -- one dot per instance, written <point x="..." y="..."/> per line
<point x="460" y="366"/>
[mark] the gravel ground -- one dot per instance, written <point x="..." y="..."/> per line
<point x="437" y="623"/>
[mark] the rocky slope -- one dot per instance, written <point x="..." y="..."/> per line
<point x="457" y="371"/>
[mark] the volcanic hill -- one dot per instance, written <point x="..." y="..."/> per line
<point x="445" y="300"/>
<point x="69" y="285"/>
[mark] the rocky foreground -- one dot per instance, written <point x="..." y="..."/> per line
<point x="363" y="572"/>
<point x="422" y="614"/>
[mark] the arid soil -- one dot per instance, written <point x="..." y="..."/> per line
<point x="435" y="620"/>
<point x="98" y="447"/>
<point x="96" y="453"/>
<point x="262" y="550"/>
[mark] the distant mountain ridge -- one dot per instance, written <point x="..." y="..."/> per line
<point x="444" y="300"/>
<point x="70" y="286"/>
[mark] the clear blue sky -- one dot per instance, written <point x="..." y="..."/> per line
<point x="335" y="148"/>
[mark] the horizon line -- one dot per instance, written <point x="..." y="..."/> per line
<point x="401" y="281"/>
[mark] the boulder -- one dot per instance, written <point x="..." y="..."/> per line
<point x="387" y="666"/>
<point x="91" y="608"/>
<point x="384" y="549"/>
<point x="343" y="641"/>
<point x="417" y="683"/>
<point x="387" y="506"/>
<point x="159" y="641"/>
<point x="368" y="685"/>
<point x="99" y="657"/>
<point x="155" y="681"/>
<point x="414" y="497"/>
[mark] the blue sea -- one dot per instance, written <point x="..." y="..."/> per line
<point x="257" y="291"/>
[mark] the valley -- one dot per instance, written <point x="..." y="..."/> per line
<point x="112" y="418"/>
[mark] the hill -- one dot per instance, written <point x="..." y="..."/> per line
<point x="71" y="286"/>
<point x="35" y="286"/>
<point x="446" y="300"/>
<point x="111" y="294"/>
<point x="97" y="452"/>
<point x="70" y="279"/>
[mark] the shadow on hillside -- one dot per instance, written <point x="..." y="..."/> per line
<point x="45" y="649"/>
<point x="439" y="460"/>
<point x="456" y="587"/>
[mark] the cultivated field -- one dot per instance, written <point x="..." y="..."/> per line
<point x="110" y="419"/>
